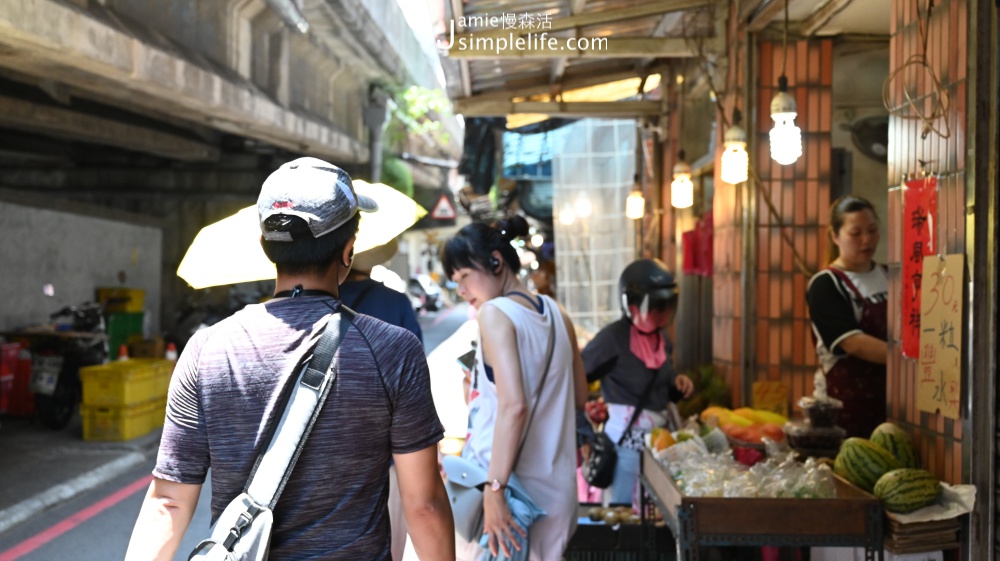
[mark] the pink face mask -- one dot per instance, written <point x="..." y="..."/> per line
<point x="647" y="320"/>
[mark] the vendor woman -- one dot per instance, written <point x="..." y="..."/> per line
<point x="847" y="305"/>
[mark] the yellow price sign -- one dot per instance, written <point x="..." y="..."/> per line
<point x="770" y="395"/>
<point x="939" y="378"/>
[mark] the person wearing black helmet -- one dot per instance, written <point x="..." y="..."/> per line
<point x="631" y="358"/>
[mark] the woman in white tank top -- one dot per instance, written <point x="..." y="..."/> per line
<point x="515" y="329"/>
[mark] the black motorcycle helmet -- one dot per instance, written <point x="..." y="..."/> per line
<point x="646" y="278"/>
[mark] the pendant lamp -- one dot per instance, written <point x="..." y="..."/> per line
<point x="635" y="205"/>
<point x="785" y="137"/>
<point x="735" y="161"/>
<point x="681" y="188"/>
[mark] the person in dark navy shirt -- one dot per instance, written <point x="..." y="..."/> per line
<point x="365" y="295"/>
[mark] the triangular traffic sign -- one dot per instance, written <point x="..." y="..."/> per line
<point x="444" y="210"/>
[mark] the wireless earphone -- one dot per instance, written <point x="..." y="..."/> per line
<point x="494" y="264"/>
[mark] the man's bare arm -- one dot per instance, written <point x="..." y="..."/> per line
<point x="425" y="505"/>
<point x="165" y="516"/>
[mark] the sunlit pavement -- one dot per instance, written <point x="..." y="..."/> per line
<point x="448" y="334"/>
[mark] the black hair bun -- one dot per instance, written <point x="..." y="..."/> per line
<point x="513" y="227"/>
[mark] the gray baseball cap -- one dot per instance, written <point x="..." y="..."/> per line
<point x="316" y="191"/>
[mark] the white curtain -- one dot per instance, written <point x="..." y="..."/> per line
<point x="598" y="163"/>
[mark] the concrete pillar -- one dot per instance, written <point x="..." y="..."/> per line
<point x="376" y="116"/>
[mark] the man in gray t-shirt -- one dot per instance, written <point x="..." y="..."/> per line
<point x="225" y="395"/>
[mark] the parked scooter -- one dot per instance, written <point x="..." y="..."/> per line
<point x="424" y="293"/>
<point x="58" y="357"/>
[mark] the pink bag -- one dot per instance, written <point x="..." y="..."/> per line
<point x="585" y="493"/>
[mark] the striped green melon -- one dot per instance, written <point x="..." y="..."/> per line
<point x="896" y="442"/>
<point x="862" y="462"/>
<point x="905" y="490"/>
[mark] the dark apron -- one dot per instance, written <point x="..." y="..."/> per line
<point x="858" y="383"/>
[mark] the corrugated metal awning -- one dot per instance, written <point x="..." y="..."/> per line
<point x="530" y="56"/>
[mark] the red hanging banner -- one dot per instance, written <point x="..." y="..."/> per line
<point x="705" y="241"/>
<point x="919" y="239"/>
<point x="689" y="245"/>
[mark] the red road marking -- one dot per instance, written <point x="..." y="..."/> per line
<point x="74" y="520"/>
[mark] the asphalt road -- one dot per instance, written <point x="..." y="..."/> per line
<point x="96" y="525"/>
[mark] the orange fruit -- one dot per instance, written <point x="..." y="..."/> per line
<point x="664" y="440"/>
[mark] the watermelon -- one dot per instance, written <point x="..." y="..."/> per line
<point x="905" y="490"/>
<point x="862" y="462"/>
<point x="896" y="442"/>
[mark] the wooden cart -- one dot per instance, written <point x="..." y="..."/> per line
<point x="852" y="519"/>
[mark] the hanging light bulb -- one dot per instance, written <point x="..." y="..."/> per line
<point x="582" y="207"/>
<point x="786" y="138"/>
<point x="566" y="214"/>
<point x="537" y="240"/>
<point x="735" y="161"/>
<point x="681" y="188"/>
<point x="635" y="205"/>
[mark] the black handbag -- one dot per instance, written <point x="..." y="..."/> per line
<point x="599" y="467"/>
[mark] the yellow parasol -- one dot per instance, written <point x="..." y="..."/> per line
<point x="229" y="252"/>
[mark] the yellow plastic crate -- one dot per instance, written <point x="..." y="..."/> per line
<point x="127" y="382"/>
<point x="122" y="423"/>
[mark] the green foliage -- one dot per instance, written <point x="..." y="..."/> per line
<point x="419" y="102"/>
<point x="416" y="112"/>
<point x="396" y="174"/>
<point x="709" y="389"/>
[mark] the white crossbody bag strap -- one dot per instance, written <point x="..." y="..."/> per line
<point x="305" y="402"/>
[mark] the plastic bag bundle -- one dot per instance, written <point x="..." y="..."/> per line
<point x="716" y="441"/>
<point x="693" y="446"/>
<point x="781" y="476"/>
<point x="706" y="475"/>
<point x="704" y="466"/>
<point x="817" y="483"/>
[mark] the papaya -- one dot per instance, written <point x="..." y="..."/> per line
<point x="749" y="414"/>
<point x="753" y="434"/>
<point x="664" y="440"/>
<point x="773" y="431"/>
<point x="734" y="431"/>
<point x="770" y="417"/>
<point x="720" y="413"/>
<point x="736" y="420"/>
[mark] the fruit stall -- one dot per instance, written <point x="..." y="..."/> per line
<point x="850" y="518"/>
<point x="708" y="495"/>
<point x="805" y="486"/>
